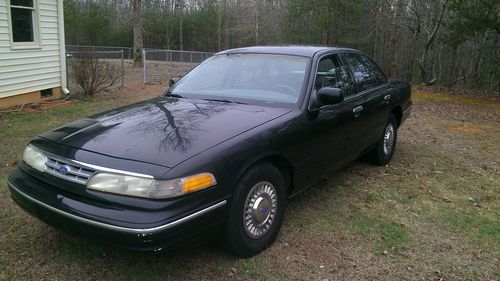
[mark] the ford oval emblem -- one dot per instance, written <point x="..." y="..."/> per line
<point x="64" y="169"/>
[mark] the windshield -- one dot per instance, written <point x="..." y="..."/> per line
<point x="247" y="78"/>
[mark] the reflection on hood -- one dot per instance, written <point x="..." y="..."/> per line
<point x="164" y="131"/>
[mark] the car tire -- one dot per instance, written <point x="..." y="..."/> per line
<point x="382" y="153"/>
<point x="256" y="212"/>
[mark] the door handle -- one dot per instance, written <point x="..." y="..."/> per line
<point x="387" y="97"/>
<point x="357" y="109"/>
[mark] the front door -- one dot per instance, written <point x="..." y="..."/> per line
<point x="330" y="129"/>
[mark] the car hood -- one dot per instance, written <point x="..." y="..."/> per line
<point x="163" y="131"/>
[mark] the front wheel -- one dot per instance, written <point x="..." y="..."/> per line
<point x="382" y="153"/>
<point x="257" y="211"/>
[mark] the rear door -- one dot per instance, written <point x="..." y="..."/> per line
<point x="371" y="101"/>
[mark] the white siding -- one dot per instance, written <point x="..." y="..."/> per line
<point x="28" y="70"/>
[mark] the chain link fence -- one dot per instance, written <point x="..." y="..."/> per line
<point x="115" y="58"/>
<point x="127" y="51"/>
<point x="158" y="63"/>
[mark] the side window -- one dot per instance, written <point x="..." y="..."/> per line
<point x="366" y="74"/>
<point x="331" y="73"/>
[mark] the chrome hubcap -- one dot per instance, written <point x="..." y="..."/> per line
<point x="388" y="139"/>
<point x="260" y="209"/>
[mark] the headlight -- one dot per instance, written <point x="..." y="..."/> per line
<point x="150" y="188"/>
<point x="34" y="158"/>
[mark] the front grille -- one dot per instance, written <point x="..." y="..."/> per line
<point x="71" y="171"/>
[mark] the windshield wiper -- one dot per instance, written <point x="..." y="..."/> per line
<point x="169" y="94"/>
<point x="226" y="101"/>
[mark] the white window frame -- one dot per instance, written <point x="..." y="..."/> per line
<point x="36" y="27"/>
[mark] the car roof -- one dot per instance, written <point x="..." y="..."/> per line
<point x="296" y="50"/>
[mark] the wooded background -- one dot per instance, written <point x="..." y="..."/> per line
<point x="446" y="42"/>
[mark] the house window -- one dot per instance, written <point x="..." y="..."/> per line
<point x="23" y="21"/>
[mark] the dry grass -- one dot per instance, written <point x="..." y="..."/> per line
<point x="432" y="214"/>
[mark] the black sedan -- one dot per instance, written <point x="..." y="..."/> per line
<point x="218" y="154"/>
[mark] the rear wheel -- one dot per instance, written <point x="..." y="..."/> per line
<point x="257" y="211"/>
<point x="382" y="153"/>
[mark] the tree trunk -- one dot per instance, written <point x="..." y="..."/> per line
<point x="225" y="10"/>
<point x="137" y="22"/>
<point x="257" y="23"/>
<point x="219" y="28"/>
<point x="181" y="24"/>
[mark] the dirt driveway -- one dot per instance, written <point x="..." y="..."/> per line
<point x="432" y="214"/>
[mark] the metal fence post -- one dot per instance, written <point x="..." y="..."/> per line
<point x="191" y="57"/>
<point x="123" y="69"/>
<point x="143" y="66"/>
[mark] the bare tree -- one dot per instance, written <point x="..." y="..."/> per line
<point x="426" y="19"/>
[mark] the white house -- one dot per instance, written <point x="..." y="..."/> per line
<point x="32" y="53"/>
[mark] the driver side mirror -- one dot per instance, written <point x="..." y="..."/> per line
<point x="328" y="95"/>
<point x="172" y="81"/>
